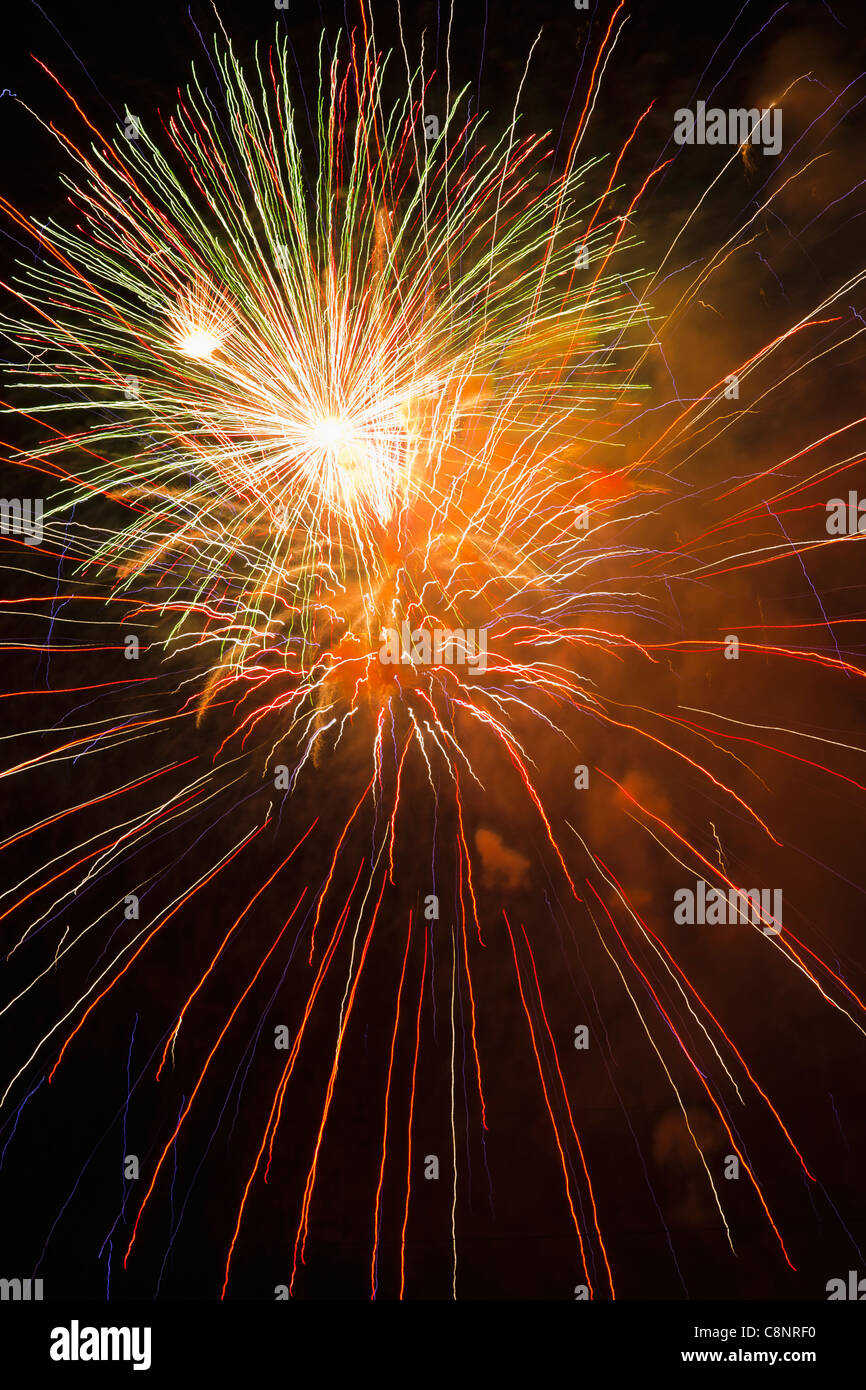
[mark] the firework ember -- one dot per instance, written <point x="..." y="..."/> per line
<point x="433" y="682"/>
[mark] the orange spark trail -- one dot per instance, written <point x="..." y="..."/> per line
<point x="149" y="937"/>
<point x="550" y="1111"/>
<point x="394" y="813"/>
<point x="770" y="748"/>
<point x="516" y="760"/>
<point x="709" y="1011"/>
<point x="303" y="1228"/>
<point x="471" y="991"/>
<point x="570" y="1116"/>
<point x="411" y="1116"/>
<point x="229" y="933"/>
<point x="332" y="946"/>
<point x="276" y="1105"/>
<point x="385" y="1129"/>
<point x="84" y="805"/>
<point x="198" y="1084"/>
<point x="697" y="1072"/>
<point x="468" y="859"/>
<point x="324" y="891"/>
<point x="783" y="941"/>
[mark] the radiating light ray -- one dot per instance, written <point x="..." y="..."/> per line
<point x="311" y="392"/>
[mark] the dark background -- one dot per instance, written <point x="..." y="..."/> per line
<point x="61" y="1184"/>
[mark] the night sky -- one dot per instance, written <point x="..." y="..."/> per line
<point x="651" y="1126"/>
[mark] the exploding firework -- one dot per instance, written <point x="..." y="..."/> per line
<point x="349" y="449"/>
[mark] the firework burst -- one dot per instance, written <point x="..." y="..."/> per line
<point x="348" y="427"/>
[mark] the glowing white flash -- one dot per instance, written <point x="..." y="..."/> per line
<point x="332" y="433"/>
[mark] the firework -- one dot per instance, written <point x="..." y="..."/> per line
<point x="348" y="446"/>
